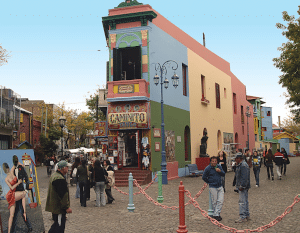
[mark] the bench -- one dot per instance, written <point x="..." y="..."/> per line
<point x="193" y="170"/>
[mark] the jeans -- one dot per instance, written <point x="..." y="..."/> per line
<point x="278" y="169"/>
<point x="256" y="171"/>
<point x="77" y="194"/>
<point x="56" y="227"/>
<point x="283" y="167"/>
<point x="223" y="182"/>
<point x="270" y="167"/>
<point x="19" y="208"/>
<point x="110" y="198"/>
<point x="217" y="199"/>
<point x="100" y="197"/>
<point x="243" y="204"/>
<point x="83" y="189"/>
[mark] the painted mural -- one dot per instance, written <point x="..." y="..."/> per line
<point x="17" y="166"/>
<point x="170" y="145"/>
<point x="228" y="137"/>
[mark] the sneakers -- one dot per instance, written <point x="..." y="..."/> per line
<point x="241" y="220"/>
<point x="257" y="186"/>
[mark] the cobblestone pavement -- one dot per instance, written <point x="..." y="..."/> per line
<point x="266" y="203"/>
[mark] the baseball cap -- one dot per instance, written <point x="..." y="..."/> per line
<point x="62" y="164"/>
<point x="239" y="155"/>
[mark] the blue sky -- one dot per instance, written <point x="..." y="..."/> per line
<point x="54" y="44"/>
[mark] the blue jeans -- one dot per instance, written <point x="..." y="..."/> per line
<point x="217" y="199"/>
<point x="256" y="171"/>
<point x="100" y="197"/>
<point x="77" y="194"/>
<point x="243" y="204"/>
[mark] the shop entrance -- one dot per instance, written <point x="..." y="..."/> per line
<point x="129" y="148"/>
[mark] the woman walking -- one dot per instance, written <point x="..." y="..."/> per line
<point x="256" y="161"/>
<point x="269" y="158"/>
<point x="98" y="175"/>
<point x="222" y="161"/>
<point x="111" y="177"/>
<point x="74" y="167"/>
<point x="82" y="178"/>
<point x="285" y="161"/>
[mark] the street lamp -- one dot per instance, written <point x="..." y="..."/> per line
<point x="248" y="114"/>
<point x="162" y="70"/>
<point x="62" y="122"/>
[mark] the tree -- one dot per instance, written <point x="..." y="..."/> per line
<point x="291" y="126"/>
<point x="289" y="61"/>
<point x="48" y="144"/>
<point x="3" y="55"/>
<point x="91" y="103"/>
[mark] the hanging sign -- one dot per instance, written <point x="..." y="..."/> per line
<point x="101" y="128"/>
<point x="123" y="89"/>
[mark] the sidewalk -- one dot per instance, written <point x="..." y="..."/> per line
<point x="266" y="203"/>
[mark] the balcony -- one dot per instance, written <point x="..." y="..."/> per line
<point x="128" y="90"/>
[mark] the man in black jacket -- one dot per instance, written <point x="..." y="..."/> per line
<point x="20" y="173"/>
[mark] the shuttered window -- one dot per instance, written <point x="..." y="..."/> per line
<point x="218" y="102"/>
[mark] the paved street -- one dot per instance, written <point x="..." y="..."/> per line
<point x="266" y="203"/>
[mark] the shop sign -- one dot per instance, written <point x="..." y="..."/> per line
<point x="124" y="89"/>
<point x="101" y="129"/>
<point x="127" y="117"/>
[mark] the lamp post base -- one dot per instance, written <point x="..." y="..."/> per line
<point x="164" y="176"/>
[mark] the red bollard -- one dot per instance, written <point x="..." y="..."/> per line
<point x="182" y="226"/>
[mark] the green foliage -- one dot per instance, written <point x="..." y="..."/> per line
<point x="91" y="103"/>
<point x="48" y="145"/>
<point x="289" y="61"/>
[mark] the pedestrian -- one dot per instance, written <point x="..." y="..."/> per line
<point x="82" y="178"/>
<point x="99" y="179"/>
<point x="58" y="199"/>
<point x="49" y="166"/>
<point x="74" y="178"/>
<point x="242" y="174"/>
<point x="269" y="163"/>
<point x="278" y="161"/>
<point x="256" y="162"/>
<point x="222" y="161"/>
<point x="248" y="158"/>
<point x="212" y="176"/>
<point x="111" y="178"/>
<point x="285" y="161"/>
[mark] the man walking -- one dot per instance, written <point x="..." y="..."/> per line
<point x="242" y="174"/>
<point x="278" y="161"/>
<point x="212" y="176"/>
<point x="58" y="200"/>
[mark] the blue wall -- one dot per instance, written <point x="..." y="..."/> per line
<point x="163" y="47"/>
<point x="285" y="143"/>
<point x="267" y="122"/>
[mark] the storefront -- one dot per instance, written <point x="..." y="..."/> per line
<point x="128" y="134"/>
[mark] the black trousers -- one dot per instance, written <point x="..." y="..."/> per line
<point x="19" y="208"/>
<point x="283" y="168"/>
<point x="58" y="226"/>
<point x="83" y="191"/>
<point x="109" y="195"/>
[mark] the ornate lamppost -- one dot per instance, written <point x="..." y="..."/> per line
<point x="62" y="122"/>
<point x="162" y="69"/>
<point x="248" y="114"/>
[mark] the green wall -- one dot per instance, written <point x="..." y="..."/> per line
<point x="175" y="119"/>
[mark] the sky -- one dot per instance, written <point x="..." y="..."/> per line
<point x="54" y="44"/>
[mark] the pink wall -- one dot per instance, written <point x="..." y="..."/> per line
<point x="240" y="90"/>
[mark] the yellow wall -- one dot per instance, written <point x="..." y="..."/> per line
<point x="208" y="116"/>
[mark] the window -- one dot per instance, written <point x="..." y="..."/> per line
<point x="242" y="114"/>
<point x="268" y="113"/>
<point x="21" y="118"/>
<point x="203" y="87"/>
<point x="127" y="63"/>
<point x="225" y="93"/>
<point x="234" y="103"/>
<point x="184" y="79"/>
<point x="22" y="137"/>
<point x="218" y="102"/>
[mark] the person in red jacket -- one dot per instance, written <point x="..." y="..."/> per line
<point x="278" y="159"/>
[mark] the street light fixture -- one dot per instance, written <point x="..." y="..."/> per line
<point x="62" y="121"/>
<point x="162" y="69"/>
<point x="248" y="114"/>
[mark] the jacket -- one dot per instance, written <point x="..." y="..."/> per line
<point x="82" y="174"/>
<point x="278" y="158"/>
<point x="212" y="177"/>
<point x="242" y="174"/>
<point x="58" y="199"/>
<point x="256" y="161"/>
<point x="269" y="158"/>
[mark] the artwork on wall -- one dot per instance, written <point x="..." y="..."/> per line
<point x="170" y="145"/>
<point x="228" y="137"/>
<point x="157" y="146"/>
<point x="20" y="164"/>
<point x="156" y="133"/>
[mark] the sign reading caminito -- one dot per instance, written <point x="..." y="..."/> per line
<point x="132" y="117"/>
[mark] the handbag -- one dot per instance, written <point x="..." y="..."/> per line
<point x="74" y="172"/>
<point x="288" y="160"/>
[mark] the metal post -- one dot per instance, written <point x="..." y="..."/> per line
<point x="160" y="197"/>
<point x="210" y="209"/>
<point x="130" y="183"/>
<point x="248" y="115"/>
<point x="62" y="142"/>
<point x="182" y="226"/>
<point x="46" y="122"/>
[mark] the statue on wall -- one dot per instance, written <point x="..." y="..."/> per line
<point x="203" y="146"/>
